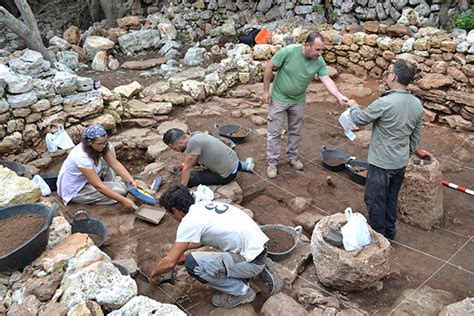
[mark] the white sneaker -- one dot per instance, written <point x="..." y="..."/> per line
<point x="248" y="164"/>
<point x="298" y="165"/>
<point x="272" y="171"/>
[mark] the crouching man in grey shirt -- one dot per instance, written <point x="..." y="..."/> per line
<point x="397" y="118"/>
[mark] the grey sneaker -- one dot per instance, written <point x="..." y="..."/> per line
<point x="270" y="276"/>
<point x="230" y="301"/>
<point x="297" y="164"/>
<point x="272" y="171"/>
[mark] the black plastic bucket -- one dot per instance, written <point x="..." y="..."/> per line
<point x="14" y="166"/>
<point x="327" y="154"/>
<point x="91" y="226"/>
<point x="27" y="252"/>
<point x="351" y="170"/>
<point x="228" y="130"/>
<point x="51" y="179"/>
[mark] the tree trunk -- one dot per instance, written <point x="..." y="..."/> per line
<point x="27" y="30"/>
<point x="445" y="21"/>
<point x="95" y="10"/>
<point x="109" y="8"/>
<point x="328" y="10"/>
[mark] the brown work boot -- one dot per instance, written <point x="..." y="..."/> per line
<point x="272" y="171"/>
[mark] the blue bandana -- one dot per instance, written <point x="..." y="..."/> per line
<point x="94" y="131"/>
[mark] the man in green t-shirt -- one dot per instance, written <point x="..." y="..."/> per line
<point x="296" y="66"/>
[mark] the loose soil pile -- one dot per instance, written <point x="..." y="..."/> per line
<point x="334" y="161"/>
<point x="15" y="231"/>
<point x="279" y="242"/>
<point x="361" y="171"/>
<point x="241" y="132"/>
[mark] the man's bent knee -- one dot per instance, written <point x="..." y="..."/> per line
<point x="190" y="264"/>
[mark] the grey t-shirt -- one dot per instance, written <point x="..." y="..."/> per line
<point x="397" y="119"/>
<point x="213" y="154"/>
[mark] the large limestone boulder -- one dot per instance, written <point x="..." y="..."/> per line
<point x="434" y="81"/>
<point x="172" y="124"/>
<point x="31" y="63"/>
<point x="16" y="189"/>
<point x="94" y="44"/>
<point x="128" y="91"/>
<point x="137" y="108"/>
<point x="344" y="270"/>
<point x="64" y="83"/>
<point x="464" y="307"/>
<point x="420" y="201"/>
<point x="423" y="301"/>
<point x="59" y="256"/>
<point x="142" y="305"/>
<point x="101" y="282"/>
<point x="84" y="104"/>
<point x="139" y="40"/>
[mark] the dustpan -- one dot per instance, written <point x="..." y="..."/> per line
<point x="150" y="213"/>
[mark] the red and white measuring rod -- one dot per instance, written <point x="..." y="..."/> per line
<point x="458" y="187"/>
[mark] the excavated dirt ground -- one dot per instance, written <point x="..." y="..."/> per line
<point x="441" y="258"/>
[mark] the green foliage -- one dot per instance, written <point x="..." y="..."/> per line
<point x="465" y="20"/>
<point x="318" y="8"/>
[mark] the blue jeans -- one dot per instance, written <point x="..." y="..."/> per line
<point x="225" y="271"/>
<point x="381" y="196"/>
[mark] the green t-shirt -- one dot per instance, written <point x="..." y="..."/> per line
<point x="294" y="73"/>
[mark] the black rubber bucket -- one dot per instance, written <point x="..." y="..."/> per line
<point x="228" y="131"/>
<point x="14" y="166"/>
<point x="327" y="154"/>
<point x="96" y="230"/>
<point x="351" y="170"/>
<point x="51" y="179"/>
<point x="226" y="141"/>
<point x="24" y="254"/>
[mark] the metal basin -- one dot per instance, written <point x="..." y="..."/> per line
<point x="24" y="254"/>
<point x="91" y="226"/>
<point x="295" y="232"/>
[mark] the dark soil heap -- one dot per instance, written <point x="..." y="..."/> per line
<point x="15" y="231"/>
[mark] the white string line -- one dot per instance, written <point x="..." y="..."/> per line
<point x="454" y="161"/>
<point x="452" y="232"/>
<point x="431" y="276"/>
<point x="459" y="146"/>
<point x="434" y="257"/>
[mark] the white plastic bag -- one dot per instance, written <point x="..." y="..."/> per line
<point x="45" y="189"/>
<point x="355" y="234"/>
<point x="347" y="124"/>
<point x="203" y="193"/>
<point x="59" y="139"/>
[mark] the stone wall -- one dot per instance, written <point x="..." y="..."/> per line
<point x="445" y="62"/>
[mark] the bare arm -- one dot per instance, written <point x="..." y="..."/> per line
<point x="267" y="78"/>
<point x="189" y="162"/>
<point x="332" y="88"/>
<point x="118" y="167"/>
<point x="94" y="179"/>
<point x="168" y="263"/>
